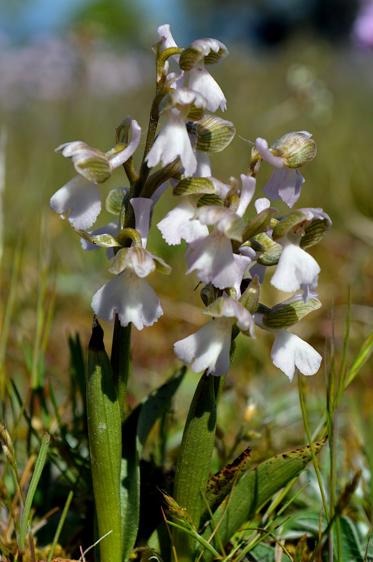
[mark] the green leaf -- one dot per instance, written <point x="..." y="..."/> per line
<point x="214" y="134"/>
<point x="254" y="489"/>
<point x="154" y="406"/>
<point x="130" y="488"/>
<point x="266" y="553"/>
<point x="220" y="485"/>
<point x="136" y="429"/>
<point x="304" y="522"/>
<point x="193" y="466"/>
<point x="362" y="357"/>
<point x="104" y="431"/>
<point x="24" y="525"/>
<point x="351" y="549"/>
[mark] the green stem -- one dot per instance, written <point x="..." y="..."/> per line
<point x="193" y="466"/>
<point x="105" y="444"/>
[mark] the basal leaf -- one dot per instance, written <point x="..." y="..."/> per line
<point x="254" y="489"/>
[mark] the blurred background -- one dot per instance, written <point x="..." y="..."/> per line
<point x="73" y="69"/>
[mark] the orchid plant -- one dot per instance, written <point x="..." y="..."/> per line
<point x="235" y="238"/>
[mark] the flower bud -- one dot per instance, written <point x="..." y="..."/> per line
<point x="296" y="149"/>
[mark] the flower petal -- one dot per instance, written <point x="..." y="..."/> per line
<point x="290" y="351"/>
<point x="295" y="269"/>
<point x="285" y="184"/>
<point x="173" y="141"/>
<point x="200" y="80"/>
<point x="179" y="224"/>
<point x="165" y="36"/>
<point x="122" y="156"/>
<point x="131" y="298"/>
<point x="262" y="147"/>
<point x="248" y="184"/>
<point x="140" y="261"/>
<point x="261" y="204"/>
<point x="227" y="307"/>
<point x="203" y="169"/>
<point x="78" y="201"/>
<point x="142" y="207"/>
<point x="208" y="348"/>
<point x="212" y="259"/>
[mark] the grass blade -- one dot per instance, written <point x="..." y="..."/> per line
<point x="60" y="525"/>
<point x="25" y="517"/>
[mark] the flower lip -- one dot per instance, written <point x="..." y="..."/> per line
<point x="290" y="352"/>
<point x="131" y="298"/>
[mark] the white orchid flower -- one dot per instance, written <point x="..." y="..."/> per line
<point x="79" y="201"/>
<point x="209" y="347"/>
<point x="128" y="294"/>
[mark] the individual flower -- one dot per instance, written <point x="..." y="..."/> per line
<point x="290" y="352"/>
<point x="286" y="156"/>
<point x="131" y="298"/>
<point x="196" y="77"/>
<point x="128" y="294"/>
<point x="212" y="256"/>
<point x="296" y="268"/>
<point x="181" y="223"/>
<point x="209" y="348"/>
<point x="194" y="74"/>
<point x="79" y="200"/>
<point x="173" y="140"/>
